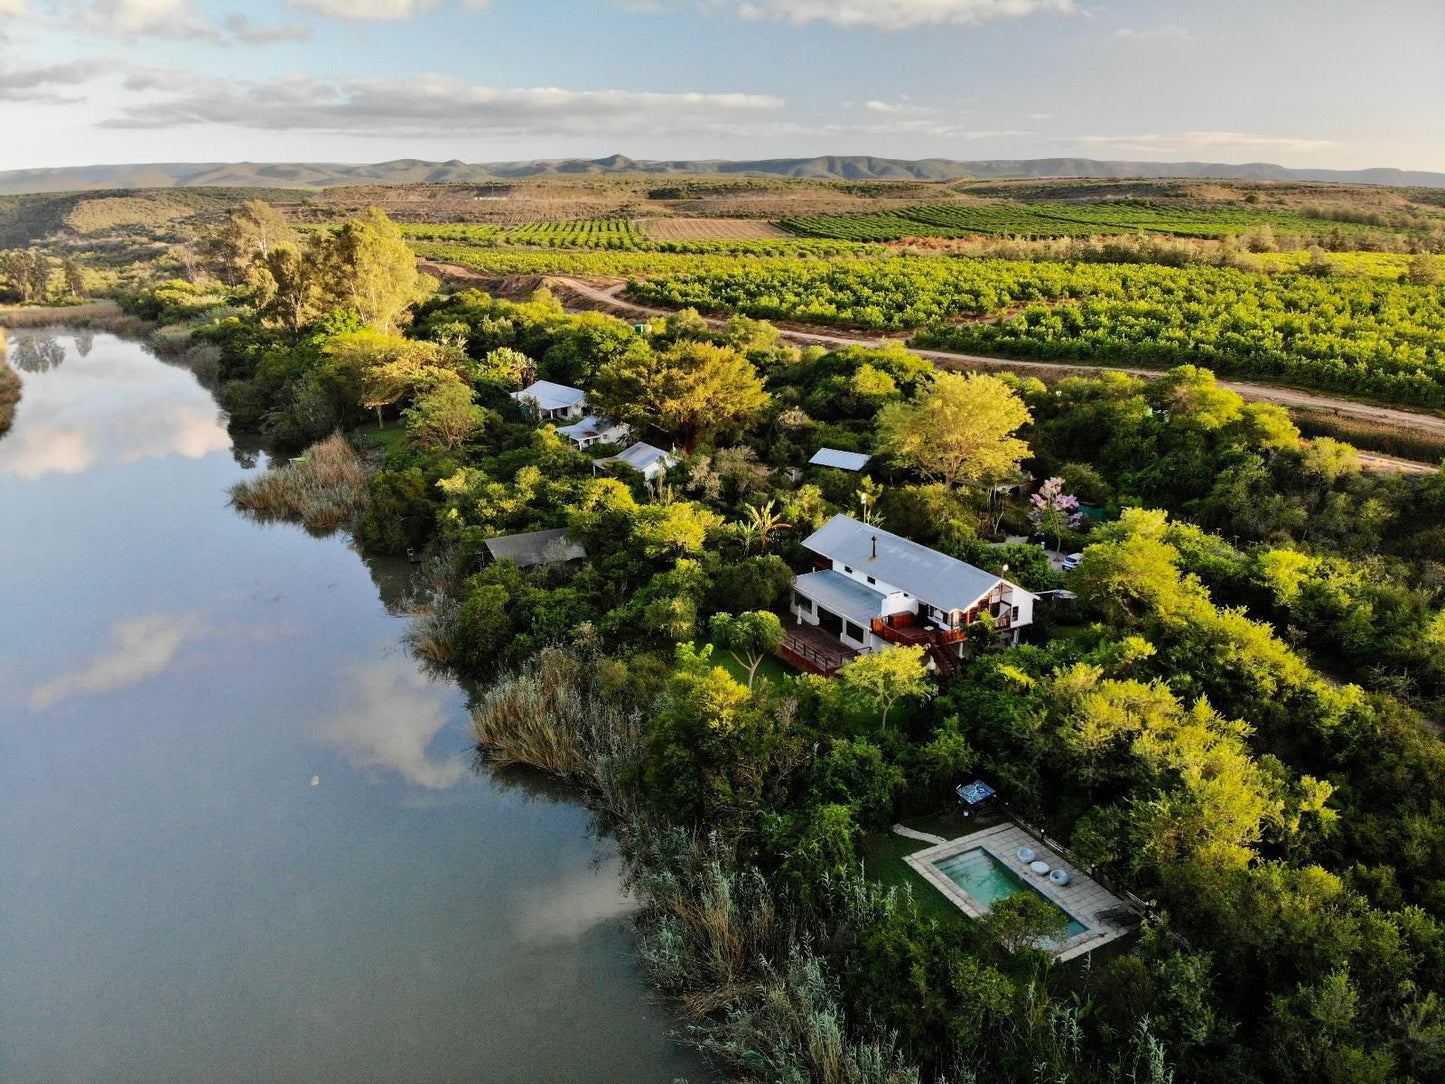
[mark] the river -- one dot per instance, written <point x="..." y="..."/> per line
<point x="241" y="833"/>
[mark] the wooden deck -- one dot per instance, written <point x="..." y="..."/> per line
<point x="811" y="650"/>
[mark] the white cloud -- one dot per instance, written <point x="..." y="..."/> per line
<point x="1152" y="34"/>
<point x="243" y="31"/>
<point x="373" y="10"/>
<point x="174" y="19"/>
<point x="434" y="104"/>
<point x="34" y="84"/>
<point x="1210" y="142"/>
<point x="897" y="14"/>
<point x="141" y="648"/>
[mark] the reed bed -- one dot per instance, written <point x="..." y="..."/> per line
<point x="550" y="715"/>
<point x="96" y="315"/>
<point x="325" y="487"/>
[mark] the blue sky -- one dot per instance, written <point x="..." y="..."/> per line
<point x="1332" y="83"/>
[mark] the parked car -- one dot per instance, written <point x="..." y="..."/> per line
<point x="1072" y="561"/>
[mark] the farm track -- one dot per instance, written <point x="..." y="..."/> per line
<point x="586" y="296"/>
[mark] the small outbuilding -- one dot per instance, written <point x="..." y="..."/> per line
<point x="536" y="549"/>
<point x="647" y="460"/>
<point x="841" y="460"/>
<point x="552" y="402"/>
<point x="594" y="430"/>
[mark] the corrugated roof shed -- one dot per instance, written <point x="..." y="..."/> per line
<point x="534" y="548"/>
<point x="834" y="457"/>
<point x="927" y="575"/>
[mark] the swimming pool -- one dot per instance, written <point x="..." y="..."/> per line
<point x="987" y="880"/>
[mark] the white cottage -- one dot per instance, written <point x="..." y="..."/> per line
<point x="873" y="588"/>
<point x="594" y="430"/>
<point x="552" y="402"/>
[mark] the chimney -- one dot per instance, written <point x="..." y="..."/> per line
<point x="875" y="548"/>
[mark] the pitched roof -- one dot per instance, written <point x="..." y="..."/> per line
<point x="841" y="595"/>
<point x="930" y="576"/>
<point x="550" y="396"/>
<point x="834" y="457"/>
<point x="641" y="457"/>
<point x="590" y="426"/>
<point x="535" y="548"/>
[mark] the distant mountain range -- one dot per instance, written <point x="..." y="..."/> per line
<point x="318" y="175"/>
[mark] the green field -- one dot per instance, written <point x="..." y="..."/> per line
<point x="1043" y="220"/>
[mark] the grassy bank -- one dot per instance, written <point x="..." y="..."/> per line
<point x="324" y="487"/>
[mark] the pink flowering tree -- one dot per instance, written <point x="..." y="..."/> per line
<point x="1054" y="510"/>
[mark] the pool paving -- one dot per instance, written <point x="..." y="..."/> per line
<point x="1082" y="898"/>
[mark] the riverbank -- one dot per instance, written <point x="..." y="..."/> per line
<point x="9" y="390"/>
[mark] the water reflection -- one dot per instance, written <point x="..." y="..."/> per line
<point x="140" y="648"/>
<point x="38" y="352"/>
<point x="93" y="412"/>
<point x="387" y="717"/>
<point x="179" y="903"/>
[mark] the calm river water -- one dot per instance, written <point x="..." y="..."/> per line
<point x="241" y="838"/>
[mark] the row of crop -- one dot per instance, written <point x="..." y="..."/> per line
<point x="1348" y="334"/>
<point x="623" y="235"/>
<point x="950" y="220"/>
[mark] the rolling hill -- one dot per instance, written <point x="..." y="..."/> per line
<point x="410" y="171"/>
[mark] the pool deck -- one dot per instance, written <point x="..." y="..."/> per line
<point x="1081" y="898"/>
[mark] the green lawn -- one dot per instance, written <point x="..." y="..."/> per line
<point x="883" y="854"/>
<point x="772" y="667"/>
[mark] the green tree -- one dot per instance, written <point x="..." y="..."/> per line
<point x="960" y="429"/>
<point x="882" y="678"/>
<point x="247" y="235"/>
<point x="73" y="276"/>
<point x="749" y="637"/>
<point x="690" y="391"/>
<point x="445" y="416"/>
<point x="368" y="267"/>
<point x="288" y="290"/>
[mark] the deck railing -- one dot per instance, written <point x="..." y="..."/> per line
<point x="825" y="660"/>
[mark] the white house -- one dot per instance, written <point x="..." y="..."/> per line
<point x="873" y="588"/>
<point x="648" y="461"/>
<point x="594" y="430"/>
<point x="552" y="402"/>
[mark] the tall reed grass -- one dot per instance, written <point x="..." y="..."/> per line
<point x="93" y="315"/>
<point x="550" y="715"/>
<point x="325" y="487"/>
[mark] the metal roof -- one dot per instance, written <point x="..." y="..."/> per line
<point x="841" y="595"/>
<point x="927" y="575"/>
<point x="834" y="457"/>
<point x="591" y="426"/>
<point x="550" y="396"/>
<point x="535" y="548"/>
<point x="641" y="457"/>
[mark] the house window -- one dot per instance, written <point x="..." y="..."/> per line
<point x="804" y="604"/>
<point x="852" y="631"/>
<point x="847" y="570"/>
<point x="1015" y="613"/>
<point x="872" y="580"/>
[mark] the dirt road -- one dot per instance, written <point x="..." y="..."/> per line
<point x="608" y="297"/>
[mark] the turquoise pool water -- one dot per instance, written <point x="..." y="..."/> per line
<point x="988" y="880"/>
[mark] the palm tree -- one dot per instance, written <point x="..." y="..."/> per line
<point x="765" y="521"/>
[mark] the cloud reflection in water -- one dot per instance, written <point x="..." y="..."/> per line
<point x="389" y="713"/>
